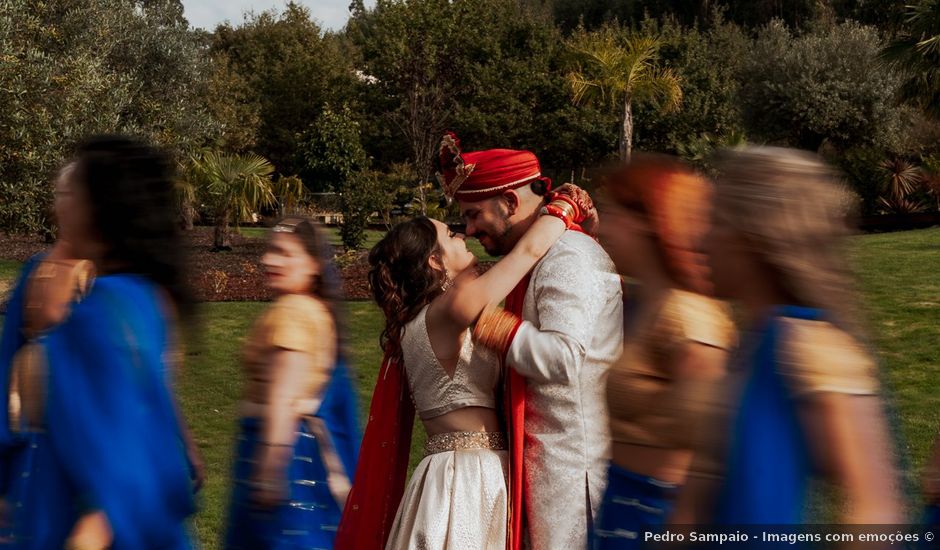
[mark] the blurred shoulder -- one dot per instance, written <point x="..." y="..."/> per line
<point x="816" y="356"/>
<point x="299" y="308"/>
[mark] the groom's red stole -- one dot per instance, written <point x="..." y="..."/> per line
<point x="383" y="463"/>
<point x="515" y="419"/>
<point x="514" y="406"/>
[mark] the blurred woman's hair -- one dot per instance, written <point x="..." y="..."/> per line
<point x="133" y="211"/>
<point x="401" y="277"/>
<point x="327" y="284"/>
<point x="674" y="199"/>
<point x="794" y="211"/>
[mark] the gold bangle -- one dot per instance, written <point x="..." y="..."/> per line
<point x="495" y="329"/>
<point x="565" y="207"/>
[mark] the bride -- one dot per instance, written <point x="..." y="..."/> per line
<point x="423" y="278"/>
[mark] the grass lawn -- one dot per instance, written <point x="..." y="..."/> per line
<point x="8" y="272"/>
<point x="898" y="273"/>
<point x="900" y="276"/>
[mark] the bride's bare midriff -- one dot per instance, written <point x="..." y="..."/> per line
<point x="669" y="465"/>
<point x="468" y="419"/>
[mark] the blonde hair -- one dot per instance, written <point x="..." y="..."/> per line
<point x="794" y="210"/>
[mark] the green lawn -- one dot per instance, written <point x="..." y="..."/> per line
<point x="900" y="276"/>
<point x="8" y="271"/>
<point x="898" y="273"/>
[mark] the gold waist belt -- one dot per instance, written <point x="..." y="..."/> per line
<point x="455" y="441"/>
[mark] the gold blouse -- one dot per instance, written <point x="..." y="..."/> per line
<point x="51" y="289"/>
<point x="297" y="323"/>
<point x="647" y="404"/>
<point x="811" y="357"/>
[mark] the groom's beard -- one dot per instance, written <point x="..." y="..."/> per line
<point x="497" y="242"/>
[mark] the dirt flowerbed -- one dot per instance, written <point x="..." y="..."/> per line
<point x="229" y="276"/>
<point x="234" y="275"/>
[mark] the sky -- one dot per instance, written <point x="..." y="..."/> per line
<point x="332" y="14"/>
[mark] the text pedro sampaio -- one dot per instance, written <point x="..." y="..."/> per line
<point x="789" y="536"/>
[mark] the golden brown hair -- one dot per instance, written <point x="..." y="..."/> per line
<point x="674" y="199"/>
<point x="793" y="210"/>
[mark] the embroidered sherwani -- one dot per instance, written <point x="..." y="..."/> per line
<point x="573" y="331"/>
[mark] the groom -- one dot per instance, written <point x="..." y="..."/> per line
<point x="565" y="329"/>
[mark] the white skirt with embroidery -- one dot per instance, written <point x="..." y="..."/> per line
<point x="455" y="500"/>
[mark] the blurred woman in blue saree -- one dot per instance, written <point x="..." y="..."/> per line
<point x="805" y="396"/>
<point x="299" y="432"/>
<point x="97" y="457"/>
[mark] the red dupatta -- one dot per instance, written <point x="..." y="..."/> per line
<point x="514" y="403"/>
<point x="383" y="463"/>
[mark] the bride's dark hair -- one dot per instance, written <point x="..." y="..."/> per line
<point x="401" y="278"/>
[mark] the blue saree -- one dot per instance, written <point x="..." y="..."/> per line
<point x="110" y="437"/>
<point x="769" y="464"/>
<point x="310" y="518"/>
<point x="11" y="341"/>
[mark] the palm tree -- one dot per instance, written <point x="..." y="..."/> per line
<point x="235" y="186"/>
<point x="618" y="69"/>
<point x="916" y="54"/>
<point x="902" y="179"/>
<point x="186" y="197"/>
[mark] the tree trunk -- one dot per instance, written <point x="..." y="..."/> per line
<point x="220" y="235"/>
<point x="189" y="214"/>
<point x="422" y="196"/>
<point x="626" y="132"/>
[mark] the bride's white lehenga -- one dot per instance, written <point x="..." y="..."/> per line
<point x="457" y="497"/>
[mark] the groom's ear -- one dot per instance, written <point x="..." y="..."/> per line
<point x="512" y="201"/>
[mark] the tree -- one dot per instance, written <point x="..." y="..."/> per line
<point x="332" y="150"/>
<point x="707" y="60"/>
<point x="361" y="197"/>
<point x="292" y="68"/>
<point x="411" y="50"/>
<point x="235" y="187"/>
<point x="336" y="161"/>
<point x="822" y="86"/>
<point x="234" y="106"/>
<point x="916" y="54"/>
<point x="621" y="69"/>
<point x="78" y="67"/>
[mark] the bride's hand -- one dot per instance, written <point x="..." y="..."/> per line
<point x="587" y="218"/>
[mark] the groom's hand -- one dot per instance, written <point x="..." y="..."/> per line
<point x="587" y="217"/>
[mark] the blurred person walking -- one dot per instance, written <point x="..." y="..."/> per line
<point x="805" y="390"/>
<point x="93" y="445"/>
<point x="653" y="221"/>
<point x="299" y="433"/>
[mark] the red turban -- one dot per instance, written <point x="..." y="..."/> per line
<point x="480" y="175"/>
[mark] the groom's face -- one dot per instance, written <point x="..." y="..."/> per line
<point x="488" y="222"/>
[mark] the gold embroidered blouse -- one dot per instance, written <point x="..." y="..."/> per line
<point x="648" y="405"/>
<point x="297" y="323"/>
<point x="51" y="289"/>
<point x="811" y="357"/>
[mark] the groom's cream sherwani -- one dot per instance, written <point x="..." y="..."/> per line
<point x="573" y="331"/>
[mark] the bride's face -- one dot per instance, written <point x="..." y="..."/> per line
<point x="455" y="256"/>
